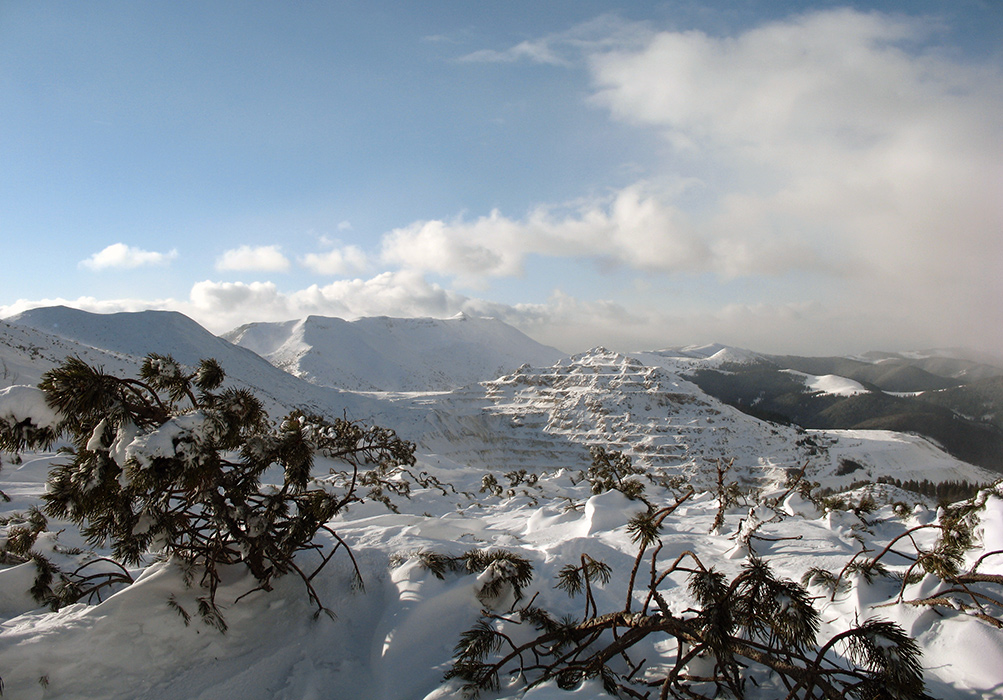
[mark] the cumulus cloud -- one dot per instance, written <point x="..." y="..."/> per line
<point x="88" y="303"/>
<point x="120" y="255"/>
<point x="339" y="261"/>
<point x="268" y="258"/>
<point x="568" y="323"/>
<point x="831" y="182"/>
<point x="637" y="227"/>
<point x="828" y="131"/>
<point x="221" y="306"/>
<point x="833" y="150"/>
<point x="563" y="321"/>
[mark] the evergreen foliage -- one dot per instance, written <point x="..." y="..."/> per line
<point x="172" y="463"/>
<point x="755" y="625"/>
<point x="962" y="588"/>
<point x="943" y="491"/>
<point x="752" y="628"/>
<point x="611" y="471"/>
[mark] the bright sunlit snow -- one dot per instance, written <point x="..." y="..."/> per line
<point x="530" y="429"/>
<point x="830" y="384"/>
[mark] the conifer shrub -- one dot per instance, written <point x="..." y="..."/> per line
<point x="753" y="629"/>
<point x="171" y="463"/>
<point x="612" y="470"/>
<point x="965" y="587"/>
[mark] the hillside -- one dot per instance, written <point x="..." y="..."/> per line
<point x="887" y="375"/>
<point x="546" y="418"/>
<point x="980" y="401"/>
<point x="25" y="353"/>
<point x="393" y="354"/>
<point x="665" y="409"/>
<point x="394" y="638"/>
<point x="37" y="340"/>
<point x="845" y="394"/>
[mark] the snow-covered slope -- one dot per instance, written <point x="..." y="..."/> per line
<point x="395" y="639"/>
<point x="709" y="356"/>
<point x="26" y="353"/>
<point x="829" y="383"/>
<point x="536" y="417"/>
<point x="393" y="354"/>
<point x="546" y="418"/>
<point x="37" y="340"/>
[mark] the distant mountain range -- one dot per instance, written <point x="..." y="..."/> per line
<point x="474" y="391"/>
<point x="954" y="400"/>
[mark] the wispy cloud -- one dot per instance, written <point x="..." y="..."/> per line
<point x="267" y="258"/>
<point x="120" y="255"/>
<point x="534" y="51"/>
<point x="567" y="48"/>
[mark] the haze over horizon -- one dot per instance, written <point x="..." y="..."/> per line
<point x="810" y="178"/>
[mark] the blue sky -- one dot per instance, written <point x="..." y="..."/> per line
<point x="797" y="177"/>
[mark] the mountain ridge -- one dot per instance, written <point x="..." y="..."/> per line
<point x="382" y="353"/>
<point x="120" y="341"/>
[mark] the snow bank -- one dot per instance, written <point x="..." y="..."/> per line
<point x="992" y="535"/>
<point x="610" y="510"/>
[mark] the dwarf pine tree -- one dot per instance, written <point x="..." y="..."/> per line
<point x="172" y="462"/>
<point x="736" y="637"/>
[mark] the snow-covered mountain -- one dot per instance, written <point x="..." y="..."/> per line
<point x="37" y="340"/>
<point x="395" y="639"/>
<point x="546" y="418"/>
<point x="393" y="354"/>
<point x="708" y="356"/>
<point x="543" y="415"/>
<point x="26" y="353"/>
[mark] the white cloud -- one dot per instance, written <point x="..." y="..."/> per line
<point x="87" y="303"/>
<point x="569" y="323"/>
<point x="636" y="227"/>
<point x="828" y="133"/>
<point x="340" y="261"/>
<point x="221" y="306"/>
<point x="841" y="181"/>
<point x="120" y="255"/>
<point x="268" y="258"/>
<point x="534" y="51"/>
<point x="832" y="152"/>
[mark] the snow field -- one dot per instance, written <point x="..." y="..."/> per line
<point x="394" y="640"/>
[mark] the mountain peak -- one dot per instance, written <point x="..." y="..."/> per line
<point x="394" y="354"/>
